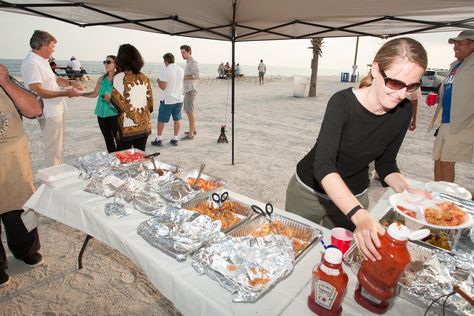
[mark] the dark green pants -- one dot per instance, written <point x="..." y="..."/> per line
<point x="301" y="201"/>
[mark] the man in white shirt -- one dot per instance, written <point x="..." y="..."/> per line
<point x="74" y="64"/>
<point x="262" y="69"/>
<point x="39" y="78"/>
<point x="171" y="82"/>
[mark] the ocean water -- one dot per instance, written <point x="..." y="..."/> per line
<point x="152" y="69"/>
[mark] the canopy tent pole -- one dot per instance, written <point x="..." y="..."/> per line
<point x="233" y="74"/>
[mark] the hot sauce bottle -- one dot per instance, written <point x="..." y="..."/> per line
<point x="378" y="280"/>
<point x="328" y="285"/>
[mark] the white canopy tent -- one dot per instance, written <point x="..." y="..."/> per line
<point x="258" y="20"/>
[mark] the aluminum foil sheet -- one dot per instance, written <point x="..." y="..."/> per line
<point x="304" y="237"/>
<point x="178" y="232"/>
<point x="95" y="164"/>
<point x="177" y="191"/>
<point x="215" y="182"/>
<point x="236" y="213"/>
<point x="149" y="202"/>
<point x="248" y="267"/>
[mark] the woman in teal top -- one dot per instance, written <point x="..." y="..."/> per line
<point x="105" y="111"/>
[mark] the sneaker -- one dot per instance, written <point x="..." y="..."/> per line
<point x="156" y="142"/>
<point x="187" y="137"/>
<point x="187" y="133"/>
<point x="34" y="260"/>
<point x="174" y="142"/>
<point x="4" y="279"/>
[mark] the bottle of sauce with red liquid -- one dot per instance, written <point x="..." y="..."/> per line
<point x="328" y="284"/>
<point x="378" y="280"/>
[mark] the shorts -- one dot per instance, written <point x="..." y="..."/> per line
<point x="261" y="74"/>
<point x="453" y="148"/>
<point x="189" y="98"/>
<point x="318" y="209"/>
<point x="166" y="110"/>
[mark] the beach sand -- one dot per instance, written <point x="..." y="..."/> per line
<point x="273" y="131"/>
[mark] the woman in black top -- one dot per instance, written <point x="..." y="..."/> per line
<point x="360" y="126"/>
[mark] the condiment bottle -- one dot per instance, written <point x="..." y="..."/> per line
<point x="378" y="280"/>
<point x="328" y="285"/>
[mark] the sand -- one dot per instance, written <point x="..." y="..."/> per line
<point x="273" y="130"/>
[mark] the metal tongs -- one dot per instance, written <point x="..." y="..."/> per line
<point x="267" y="214"/>
<point x="194" y="186"/>
<point x="152" y="158"/>
<point x="459" y="201"/>
<point x="220" y="199"/>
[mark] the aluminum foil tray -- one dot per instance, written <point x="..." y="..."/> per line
<point x="194" y="173"/>
<point x="178" y="232"/>
<point x="242" y="210"/>
<point x="248" y="267"/>
<point x="301" y="232"/>
<point x="437" y="238"/>
<point x="163" y="166"/>
<point x="176" y="190"/>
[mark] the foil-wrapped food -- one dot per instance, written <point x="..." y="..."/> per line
<point x="248" y="267"/>
<point x="177" y="190"/>
<point x="178" y="232"/>
<point x="95" y="164"/>
<point x="230" y="213"/>
<point x="303" y="237"/>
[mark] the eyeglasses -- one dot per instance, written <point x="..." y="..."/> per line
<point x="395" y="84"/>
<point x="108" y="62"/>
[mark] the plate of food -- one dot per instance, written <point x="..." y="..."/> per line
<point x="448" y="187"/>
<point x="437" y="213"/>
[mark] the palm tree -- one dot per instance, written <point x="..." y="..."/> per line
<point x="317" y="44"/>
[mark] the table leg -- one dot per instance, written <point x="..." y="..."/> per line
<point x="84" y="245"/>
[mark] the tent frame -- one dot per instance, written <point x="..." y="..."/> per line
<point x="425" y="26"/>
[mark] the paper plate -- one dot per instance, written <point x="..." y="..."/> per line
<point x="418" y="204"/>
<point x="448" y="187"/>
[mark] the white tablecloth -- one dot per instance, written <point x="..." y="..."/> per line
<point x="192" y="294"/>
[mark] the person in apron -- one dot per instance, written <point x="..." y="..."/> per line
<point x="16" y="178"/>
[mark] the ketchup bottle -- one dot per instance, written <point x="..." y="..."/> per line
<point x="328" y="285"/>
<point x="378" y="280"/>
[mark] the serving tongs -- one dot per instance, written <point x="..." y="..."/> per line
<point x="459" y="201"/>
<point x="267" y="214"/>
<point x="152" y="158"/>
<point x="220" y="199"/>
<point x="195" y="185"/>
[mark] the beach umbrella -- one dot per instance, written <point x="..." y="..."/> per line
<point x="258" y="20"/>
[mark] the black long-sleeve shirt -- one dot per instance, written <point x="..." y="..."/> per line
<point x="350" y="138"/>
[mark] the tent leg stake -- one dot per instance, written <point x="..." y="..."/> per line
<point x="222" y="138"/>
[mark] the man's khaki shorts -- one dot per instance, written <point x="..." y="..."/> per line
<point x="189" y="98"/>
<point x="453" y="148"/>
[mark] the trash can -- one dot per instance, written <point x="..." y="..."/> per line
<point x="344" y="77"/>
<point x="299" y="86"/>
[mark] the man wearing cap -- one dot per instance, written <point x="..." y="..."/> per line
<point x="454" y="116"/>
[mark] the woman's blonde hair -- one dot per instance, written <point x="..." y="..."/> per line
<point x="399" y="48"/>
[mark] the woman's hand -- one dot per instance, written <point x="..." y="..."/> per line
<point x="421" y="192"/>
<point x="366" y="234"/>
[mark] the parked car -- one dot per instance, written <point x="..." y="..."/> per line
<point x="432" y="79"/>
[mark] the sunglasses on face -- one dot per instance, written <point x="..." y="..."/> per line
<point x="395" y="84"/>
<point x="108" y="62"/>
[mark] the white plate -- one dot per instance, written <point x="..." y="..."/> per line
<point x="448" y="187"/>
<point x="418" y="204"/>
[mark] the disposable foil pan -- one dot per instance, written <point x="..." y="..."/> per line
<point x="163" y="166"/>
<point x="177" y="191"/>
<point x="194" y="173"/>
<point x="451" y="235"/>
<point x="301" y="232"/>
<point x="248" y="267"/>
<point x="178" y="232"/>
<point x="241" y="209"/>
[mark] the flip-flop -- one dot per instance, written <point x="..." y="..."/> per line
<point x="187" y="133"/>
<point x="187" y="137"/>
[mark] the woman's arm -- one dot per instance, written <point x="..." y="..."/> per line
<point x="94" y="93"/>
<point x="367" y="229"/>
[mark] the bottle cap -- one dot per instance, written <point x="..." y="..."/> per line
<point x="333" y="255"/>
<point x="398" y="231"/>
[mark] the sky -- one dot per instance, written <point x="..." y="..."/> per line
<point x="94" y="43"/>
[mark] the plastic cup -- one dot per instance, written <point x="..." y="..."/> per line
<point x="431" y="99"/>
<point x="341" y="238"/>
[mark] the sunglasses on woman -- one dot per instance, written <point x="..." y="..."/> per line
<point x="108" y="62"/>
<point x="395" y="84"/>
